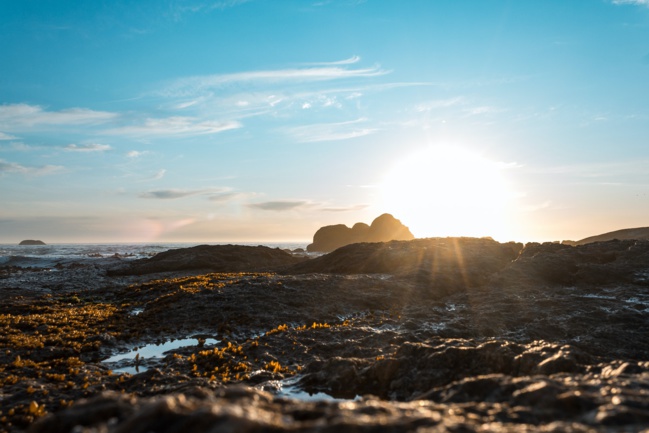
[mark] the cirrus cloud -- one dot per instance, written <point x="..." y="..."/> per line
<point x="223" y="197"/>
<point x="95" y="147"/>
<point x="632" y="2"/>
<point x="176" y="193"/>
<point x="170" y="194"/>
<point x="14" y="167"/>
<point x="352" y="208"/>
<point x="331" y="131"/>
<point x="281" y="205"/>
<point x="333" y="71"/>
<point x="15" y="117"/>
<point x="175" y="125"/>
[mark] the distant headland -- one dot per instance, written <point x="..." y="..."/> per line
<point x="638" y="233"/>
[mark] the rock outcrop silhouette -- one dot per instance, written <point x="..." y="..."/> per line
<point x="31" y="242"/>
<point x="384" y="228"/>
<point x="638" y="233"/>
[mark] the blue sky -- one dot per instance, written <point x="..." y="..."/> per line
<point x="263" y="120"/>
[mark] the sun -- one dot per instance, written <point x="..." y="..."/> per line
<point x="448" y="191"/>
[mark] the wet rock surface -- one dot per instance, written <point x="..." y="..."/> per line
<point x="473" y="335"/>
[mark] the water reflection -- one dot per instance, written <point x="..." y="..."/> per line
<point x="131" y="362"/>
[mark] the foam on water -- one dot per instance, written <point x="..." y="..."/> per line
<point x="45" y="256"/>
<point x="597" y="296"/>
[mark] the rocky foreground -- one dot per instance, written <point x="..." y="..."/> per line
<point x="433" y="335"/>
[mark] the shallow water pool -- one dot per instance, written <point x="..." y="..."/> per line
<point x="150" y="351"/>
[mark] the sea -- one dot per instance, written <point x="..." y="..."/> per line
<point x="45" y="256"/>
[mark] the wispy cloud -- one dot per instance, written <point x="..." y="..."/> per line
<point x="281" y="205"/>
<point x="170" y="194"/>
<point x="346" y="208"/>
<point x="224" y="4"/>
<point x="160" y="174"/>
<point x="200" y="84"/>
<point x="331" y="131"/>
<point x="229" y="196"/>
<point x="176" y="125"/>
<point x="13" y="167"/>
<point x="95" y="147"/>
<point x="632" y="2"/>
<point x="289" y="205"/>
<point x="156" y="176"/>
<point x="173" y="193"/>
<point x="136" y="153"/>
<point x="4" y="136"/>
<point x="284" y="93"/>
<point x="15" y="117"/>
<point x="344" y="3"/>
<point x="204" y="6"/>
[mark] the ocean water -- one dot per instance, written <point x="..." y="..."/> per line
<point x="50" y="255"/>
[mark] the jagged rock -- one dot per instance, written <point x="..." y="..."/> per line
<point x="31" y="242"/>
<point x="215" y="258"/>
<point x="417" y="368"/>
<point x="596" y="263"/>
<point x="384" y="228"/>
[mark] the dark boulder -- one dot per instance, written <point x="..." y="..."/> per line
<point x="384" y="228"/>
<point x="214" y="258"/>
<point x="31" y="242"/>
<point x="442" y="263"/>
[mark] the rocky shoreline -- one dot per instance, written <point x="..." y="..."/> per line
<point x="453" y="334"/>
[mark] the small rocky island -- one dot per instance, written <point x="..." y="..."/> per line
<point x="383" y="229"/>
<point x="31" y="242"/>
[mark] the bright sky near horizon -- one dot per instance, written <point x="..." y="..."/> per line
<point x="260" y="120"/>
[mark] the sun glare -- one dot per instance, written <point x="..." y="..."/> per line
<point x="446" y="191"/>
